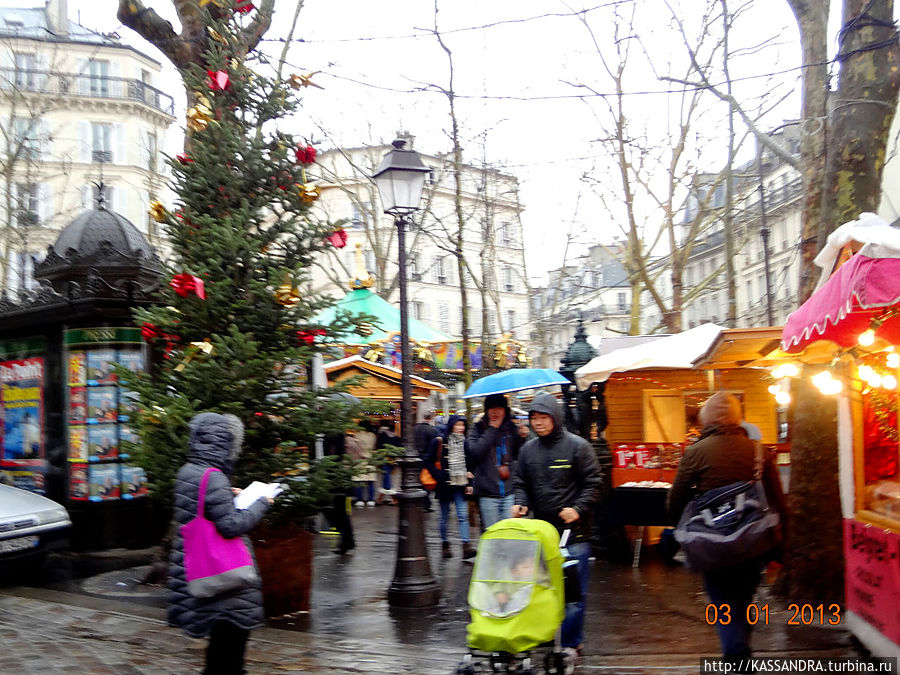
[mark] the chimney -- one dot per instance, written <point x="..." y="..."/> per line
<point x="58" y="16"/>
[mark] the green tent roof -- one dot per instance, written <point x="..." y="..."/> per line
<point x="364" y="301"/>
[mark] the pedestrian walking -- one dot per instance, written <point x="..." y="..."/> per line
<point x="359" y="445"/>
<point x="557" y="479"/>
<point x="723" y="455"/>
<point x="494" y="444"/>
<point x="215" y="442"/>
<point x="424" y="434"/>
<point x="449" y="452"/>
<point x="386" y="436"/>
<point x="337" y="512"/>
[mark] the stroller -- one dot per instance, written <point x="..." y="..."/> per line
<point x="517" y="601"/>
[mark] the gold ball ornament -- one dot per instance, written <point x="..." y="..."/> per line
<point x="309" y="192"/>
<point x="157" y="211"/>
<point x="287" y="294"/>
<point x="198" y="118"/>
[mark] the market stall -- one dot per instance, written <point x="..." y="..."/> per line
<point x="851" y="325"/>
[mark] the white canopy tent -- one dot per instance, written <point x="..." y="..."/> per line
<point x="681" y="350"/>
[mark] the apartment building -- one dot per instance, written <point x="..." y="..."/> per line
<point x="492" y="244"/>
<point x="78" y="109"/>
<point x="595" y="289"/>
<point x="766" y="207"/>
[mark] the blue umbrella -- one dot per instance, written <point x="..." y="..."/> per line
<point x="514" y="379"/>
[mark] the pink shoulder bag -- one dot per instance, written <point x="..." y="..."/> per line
<point x="213" y="564"/>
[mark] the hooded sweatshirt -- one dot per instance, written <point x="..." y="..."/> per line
<point x="722" y="455"/>
<point x="557" y="471"/>
<point x="215" y="441"/>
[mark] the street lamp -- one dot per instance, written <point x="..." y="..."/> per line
<point x="400" y="180"/>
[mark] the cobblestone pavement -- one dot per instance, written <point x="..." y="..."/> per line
<point x="40" y="636"/>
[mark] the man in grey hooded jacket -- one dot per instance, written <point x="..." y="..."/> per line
<point x="557" y="479"/>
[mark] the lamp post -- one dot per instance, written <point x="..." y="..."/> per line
<point x="400" y="179"/>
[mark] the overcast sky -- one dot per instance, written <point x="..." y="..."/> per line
<point x="517" y="62"/>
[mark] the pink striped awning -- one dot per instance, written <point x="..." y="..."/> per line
<point x="845" y="305"/>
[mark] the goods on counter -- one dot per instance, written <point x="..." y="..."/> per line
<point x="647" y="484"/>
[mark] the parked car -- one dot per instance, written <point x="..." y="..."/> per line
<point x="30" y="525"/>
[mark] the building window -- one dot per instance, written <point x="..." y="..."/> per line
<point x="27" y="204"/>
<point x="505" y="234"/>
<point x="26" y="73"/>
<point x="749" y="293"/>
<point x="444" y="318"/>
<point x="508" y="278"/>
<point x="25" y="138"/>
<point x="786" y="283"/>
<point x="624" y="327"/>
<point x="99" y="77"/>
<point x="416" y="310"/>
<point x="20" y="271"/>
<point x="621" y="303"/>
<point x="510" y="320"/>
<point x="101" y="143"/>
<point x="439" y="274"/>
<point x="359" y="214"/>
<point x="152" y="151"/>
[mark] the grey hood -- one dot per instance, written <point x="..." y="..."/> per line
<point x="216" y="440"/>
<point x="549" y="405"/>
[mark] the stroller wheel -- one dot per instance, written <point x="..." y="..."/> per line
<point x="465" y="669"/>
<point x="525" y="667"/>
<point x="555" y="663"/>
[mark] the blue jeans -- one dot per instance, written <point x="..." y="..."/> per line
<point x="494" y="509"/>
<point x="386" y="476"/>
<point x="456" y="495"/>
<point x="573" y="623"/>
<point x="364" y="490"/>
<point x="734" y="586"/>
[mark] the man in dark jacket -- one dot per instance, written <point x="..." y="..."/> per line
<point x="494" y="444"/>
<point x="215" y="442"/>
<point x="724" y="455"/>
<point x="557" y="479"/>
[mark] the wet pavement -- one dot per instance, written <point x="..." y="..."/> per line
<point x="82" y="615"/>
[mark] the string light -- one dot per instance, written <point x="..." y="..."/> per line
<point x="893" y="360"/>
<point x="785" y="370"/>
<point x="866" y="338"/>
<point x="826" y="384"/>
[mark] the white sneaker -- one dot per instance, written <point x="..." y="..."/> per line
<point x="370" y="503"/>
<point x="571" y="659"/>
<point x="359" y="504"/>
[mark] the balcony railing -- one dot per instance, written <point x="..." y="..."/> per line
<point x="86" y="85"/>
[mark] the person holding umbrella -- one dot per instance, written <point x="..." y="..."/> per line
<point x="494" y="444"/>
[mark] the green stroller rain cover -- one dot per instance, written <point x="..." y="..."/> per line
<point x="516" y="597"/>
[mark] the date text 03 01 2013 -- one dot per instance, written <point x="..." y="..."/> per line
<point x="797" y="614"/>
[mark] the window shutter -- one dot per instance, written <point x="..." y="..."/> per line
<point x="87" y="197"/>
<point x="84" y="136"/>
<point x="141" y="222"/>
<point x="44" y="139"/>
<point x="115" y="82"/>
<point x="145" y="148"/>
<point x="84" y="78"/>
<point x="119" y="144"/>
<point x="9" y="67"/>
<point x="12" y="270"/>
<point x="45" y="203"/>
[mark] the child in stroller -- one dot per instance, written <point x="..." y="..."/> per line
<point x="517" y="600"/>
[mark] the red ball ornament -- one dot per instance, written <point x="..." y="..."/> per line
<point x="338" y="238"/>
<point x="218" y="80"/>
<point x="244" y="6"/>
<point x="305" y="155"/>
<point x="183" y="158"/>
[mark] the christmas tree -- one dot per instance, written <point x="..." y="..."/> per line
<point x="231" y="330"/>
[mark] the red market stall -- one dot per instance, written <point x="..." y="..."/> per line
<point x="851" y="324"/>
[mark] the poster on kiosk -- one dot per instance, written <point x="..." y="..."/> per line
<point x="22" y="429"/>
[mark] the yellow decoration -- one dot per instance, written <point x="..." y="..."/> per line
<point x="309" y="192"/>
<point x="157" y="211"/>
<point x="200" y="115"/>
<point x="287" y="294"/>
<point x="193" y="349"/>
<point x="216" y="35"/>
<point x="374" y="354"/>
<point x="298" y="81"/>
<point x="364" y="329"/>
<point x="204" y="3"/>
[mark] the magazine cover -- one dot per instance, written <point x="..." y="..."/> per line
<point x="77" y="405"/>
<point x="101" y="403"/>
<point x="103" y="482"/>
<point x="78" y="482"/>
<point x="133" y="360"/>
<point x="134" y="482"/>
<point x="102" y="442"/>
<point x="100" y="366"/>
<point x="77" y="369"/>
<point x="22" y="412"/>
<point x="78" y="444"/>
<point x="127" y="436"/>
<point x="128" y="404"/>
